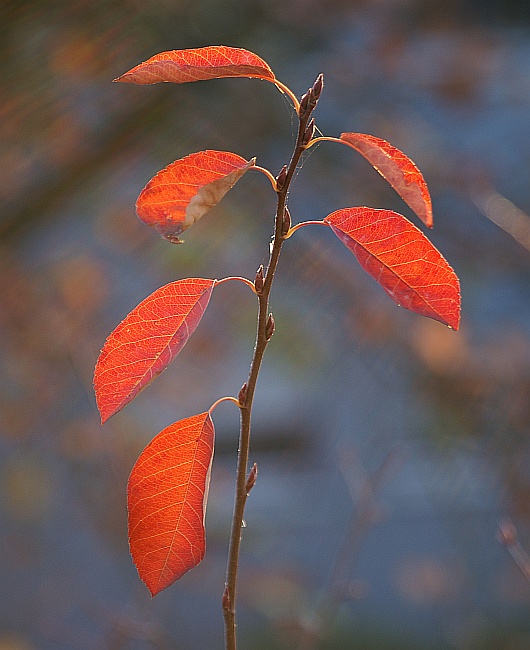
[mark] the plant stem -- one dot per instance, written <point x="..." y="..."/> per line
<point x="229" y="596"/>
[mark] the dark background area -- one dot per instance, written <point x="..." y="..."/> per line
<point x="389" y="447"/>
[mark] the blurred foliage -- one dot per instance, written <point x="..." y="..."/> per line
<point x="349" y="376"/>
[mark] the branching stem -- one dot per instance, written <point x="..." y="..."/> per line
<point x="229" y="595"/>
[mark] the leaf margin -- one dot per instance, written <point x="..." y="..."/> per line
<point x="148" y="205"/>
<point x="168" y="57"/>
<point x="451" y="318"/>
<point x="422" y="204"/>
<point x="102" y="391"/>
<point x="136" y="494"/>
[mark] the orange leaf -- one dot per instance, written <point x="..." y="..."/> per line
<point x="404" y="262"/>
<point x="397" y="169"/>
<point x="182" y="192"/>
<point x="166" y="498"/>
<point x="214" y="62"/>
<point x="147" y="340"/>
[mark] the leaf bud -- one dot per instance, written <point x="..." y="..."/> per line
<point x="251" y="478"/>
<point x="258" y="281"/>
<point x="317" y="86"/>
<point x="269" y="328"/>
<point x="309" y="132"/>
<point x="304" y="103"/>
<point x="226" y="602"/>
<point x="280" y="179"/>
<point x="242" y="397"/>
<point x="286" y="223"/>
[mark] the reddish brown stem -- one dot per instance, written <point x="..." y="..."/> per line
<point x="262" y="338"/>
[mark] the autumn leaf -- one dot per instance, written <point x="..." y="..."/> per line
<point x="396" y="168"/>
<point x="166" y="497"/>
<point x="147" y="340"/>
<point x="182" y="192"/>
<point x="213" y="62"/>
<point x="404" y="262"/>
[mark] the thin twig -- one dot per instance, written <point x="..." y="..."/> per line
<point x="363" y="517"/>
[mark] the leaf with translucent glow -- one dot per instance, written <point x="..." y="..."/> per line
<point x="213" y="62"/>
<point x="182" y="192"/>
<point x="397" y="169"/>
<point x="147" y="340"/>
<point x="166" y="498"/>
<point x="404" y="262"/>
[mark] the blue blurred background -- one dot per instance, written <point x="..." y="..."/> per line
<point x="389" y="448"/>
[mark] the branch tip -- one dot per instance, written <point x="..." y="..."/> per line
<point x="318" y="85"/>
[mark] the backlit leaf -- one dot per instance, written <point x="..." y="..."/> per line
<point x="166" y="497"/>
<point x="397" y="169"/>
<point x="213" y="62"/>
<point x="182" y="192"/>
<point x="147" y="340"/>
<point x="404" y="262"/>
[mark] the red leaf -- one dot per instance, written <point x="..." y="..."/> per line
<point x="147" y="340"/>
<point x="214" y="62"/>
<point x="182" y="192"/>
<point x="397" y="169"/>
<point x="166" y="497"/>
<point x="404" y="262"/>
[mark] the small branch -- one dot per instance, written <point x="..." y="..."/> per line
<point x="363" y="517"/>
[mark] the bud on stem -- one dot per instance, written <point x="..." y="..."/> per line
<point x="309" y="132"/>
<point x="242" y="397"/>
<point x="269" y="328"/>
<point x="251" y="478"/>
<point x="304" y="102"/>
<point x="286" y="223"/>
<point x="280" y="179"/>
<point x="310" y="99"/>
<point x="317" y="86"/>
<point x="258" y="281"/>
<point x="226" y="603"/>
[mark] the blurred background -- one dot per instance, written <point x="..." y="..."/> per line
<point x="390" y="449"/>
